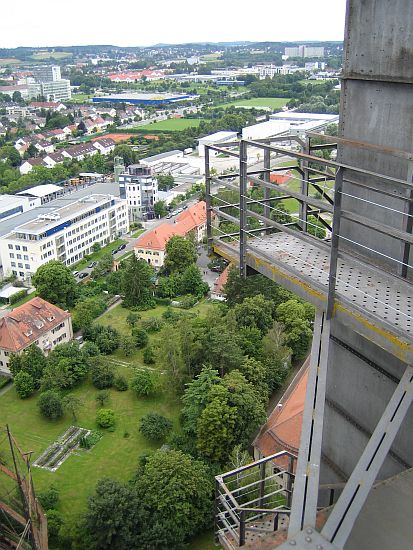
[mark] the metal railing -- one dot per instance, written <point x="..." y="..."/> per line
<point x="253" y="498"/>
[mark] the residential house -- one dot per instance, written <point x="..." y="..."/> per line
<point x="218" y="292"/>
<point x="104" y="145"/>
<point x="151" y="246"/>
<point x="35" y="322"/>
<point x="54" y="158"/>
<point x="29" y="164"/>
<point x="51" y="105"/>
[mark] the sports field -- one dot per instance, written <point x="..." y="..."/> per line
<point x="172" y="124"/>
<point x="272" y="102"/>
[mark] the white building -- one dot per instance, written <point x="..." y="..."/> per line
<point x="12" y="205"/>
<point x="216" y="138"/>
<point x="300" y="123"/>
<point x="272" y="70"/>
<point x="139" y="186"/>
<point x="47" y="73"/>
<point x="168" y="156"/>
<point x="265" y="129"/>
<point x="66" y="234"/>
<point x="46" y="193"/>
<point x="55" y="90"/>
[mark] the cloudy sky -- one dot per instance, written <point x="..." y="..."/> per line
<point x="143" y="22"/>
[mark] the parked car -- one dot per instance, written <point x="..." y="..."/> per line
<point x="169" y="216"/>
<point x="82" y="275"/>
<point x="121" y="247"/>
<point x="115" y="251"/>
<point x="74" y="273"/>
<point x="92" y="265"/>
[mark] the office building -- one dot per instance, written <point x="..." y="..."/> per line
<point x="35" y="322"/>
<point x="12" y="205"/>
<point x="304" y="51"/>
<point x="66" y="234"/>
<point x="139" y="186"/>
<point x="47" y="73"/>
<point x="55" y="90"/>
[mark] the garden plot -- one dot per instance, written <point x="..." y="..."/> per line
<point x="58" y="451"/>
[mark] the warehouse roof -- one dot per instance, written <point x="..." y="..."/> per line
<point x="41" y="190"/>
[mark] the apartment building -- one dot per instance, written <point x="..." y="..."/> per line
<point x="139" y="187"/>
<point x="55" y="90"/>
<point x="35" y="322"/>
<point x="66" y="234"/>
<point x="47" y="73"/>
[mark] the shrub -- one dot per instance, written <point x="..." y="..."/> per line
<point x="143" y="383"/>
<point x="141" y="337"/>
<point x="187" y="302"/>
<point x="18" y="296"/>
<point x="24" y="384"/>
<point x="152" y="324"/>
<point x="49" y="498"/>
<point x="89" y="440"/>
<point x="105" y="418"/>
<point x="50" y="404"/>
<point x="102" y="376"/>
<point x="90" y="349"/>
<point x="148" y="356"/>
<point x="102" y="397"/>
<point x="120" y="383"/>
<point x="132" y="318"/>
<point x="155" y="426"/>
<point x="54" y="523"/>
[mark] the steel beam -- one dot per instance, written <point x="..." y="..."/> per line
<point x="341" y="520"/>
<point x="305" y="495"/>
<point x="208" y="200"/>
<point x="334" y="244"/>
<point x="243" y="235"/>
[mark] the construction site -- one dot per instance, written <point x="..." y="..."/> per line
<point x="351" y="484"/>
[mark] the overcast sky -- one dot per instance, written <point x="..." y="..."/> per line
<point x="145" y="22"/>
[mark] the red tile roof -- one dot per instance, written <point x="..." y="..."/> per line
<point x="221" y="281"/>
<point x="185" y="222"/>
<point x="25" y="324"/>
<point x="282" y="430"/>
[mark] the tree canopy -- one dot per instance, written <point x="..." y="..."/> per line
<point x="55" y="283"/>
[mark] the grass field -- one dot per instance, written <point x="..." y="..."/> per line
<point x="172" y="124"/>
<point x="9" y="61"/>
<point x="96" y="256"/>
<point x="39" y="56"/>
<point x="272" y="102"/>
<point x="80" y="98"/>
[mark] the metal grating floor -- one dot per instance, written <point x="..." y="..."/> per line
<point x="368" y="290"/>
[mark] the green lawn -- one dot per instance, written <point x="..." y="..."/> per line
<point x="40" y="56"/>
<point x="97" y="255"/>
<point x="138" y="232"/>
<point x="80" y="98"/>
<point x="272" y="102"/>
<point x="172" y="124"/>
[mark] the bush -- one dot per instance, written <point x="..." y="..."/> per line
<point x="49" y="498"/>
<point x="152" y="324"/>
<point x="163" y="301"/>
<point x="102" y="376"/>
<point x="24" y="384"/>
<point x="143" y="383"/>
<point x="120" y="383"/>
<point x="18" y="296"/>
<point x="187" y="302"/>
<point x="141" y="337"/>
<point x="89" y="440"/>
<point x="148" y="356"/>
<point x="155" y="426"/>
<point x="54" y="523"/>
<point x="102" y="398"/>
<point x="105" y="418"/>
<point x="50" y="405"/>
<point x="89" y="349"/>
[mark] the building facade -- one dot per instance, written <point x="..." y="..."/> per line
<point x="139" y="187"/>
<point x="35" y="322"/>
<point x="47" y="73"/>
<point x="55" y="90"/>
<point x="66" y="234"/>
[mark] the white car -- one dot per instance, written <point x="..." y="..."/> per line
<point x="74" y="273"/>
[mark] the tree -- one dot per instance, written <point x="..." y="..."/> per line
<point x="113" y="518"/>
<point x="137" y="282"/>
<point x="195" y="398"/>
<point x="50" y="405"/>
<point x="192" y="283"/>
<point x="160" y="209"/>
<point x="180" y="253"/>
<point x="127" y="345"/>
<point x="102" y="376"/>
<point x="103" y="267"/>
<point x="106" y="338"/>
<point x="55" y="283"/>
<point x="24" y="384"/>
<point x="49" y="498"/>
<point x="255" y="312"/>
<point x="176" y="493"/>
<point x="293" y="315"/>
<point x="237" y="288"/>
<point x="120" y="383"/>
<point x="155" y="426"/>
<point x="165" y="182"/>
<point x="32" y="361"/>
<point x="142" y="383"/>
<point x="54" y="523"/>
<point x="140" y="337"/>
<point x="105" y="418"/>
<point x="68" y="358"/>
<point x="102" y="398"/>
<point x="148" y="356"/>
<point x="126" y="152"/>
<point x="132" y="319"/>
<point x="72" y="403"/>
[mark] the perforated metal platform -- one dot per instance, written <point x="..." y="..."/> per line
<point x="381" y="302"/>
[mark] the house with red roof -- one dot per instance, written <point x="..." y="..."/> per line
<point x="35" y="322"/>
<point x="151" y="246"/>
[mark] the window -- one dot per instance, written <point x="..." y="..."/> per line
<point x="10" y="246"/>
<point x="19" y="256"/>
<point x="11" y="255"/>
<point x="20" y="265"/>
<point x="25" y="257"/>
<point x="17" y="247"/>
<point x="13" y="264"/>
<point x="27" y="266"/>
<point x="21" y="274"/>
<point x="25" y="249"/>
